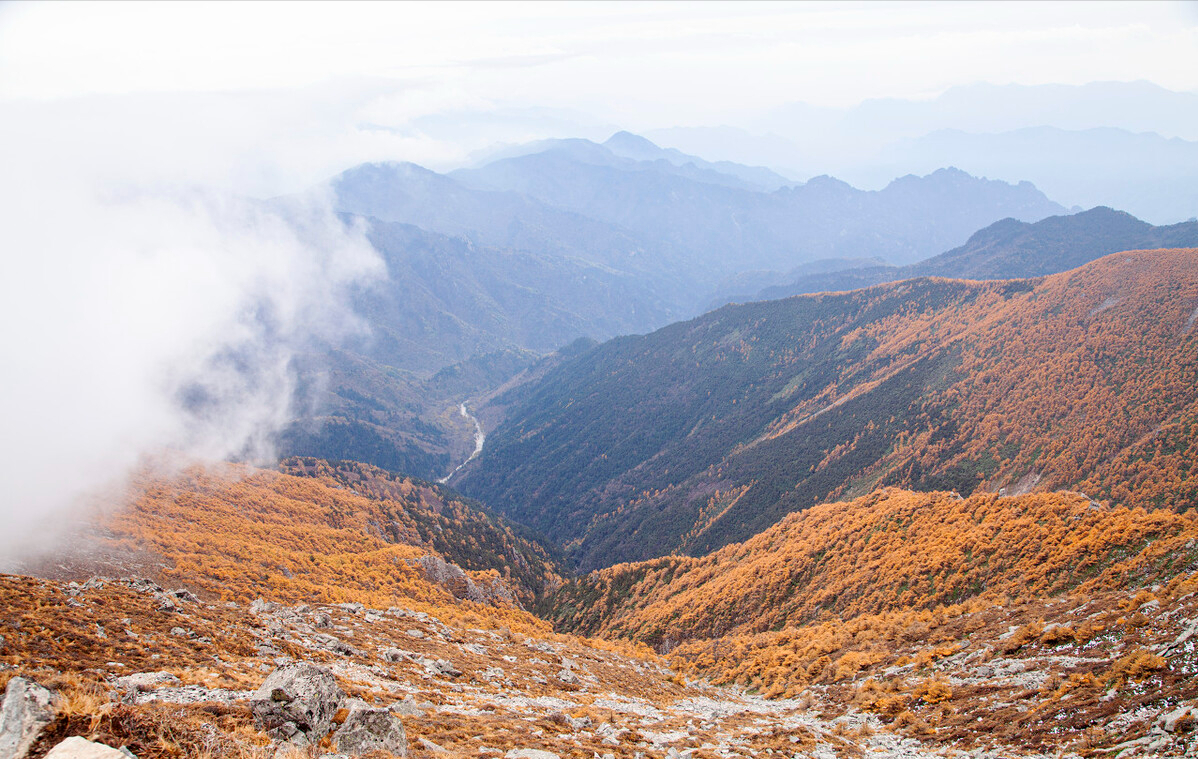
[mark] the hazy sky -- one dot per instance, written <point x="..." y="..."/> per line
<point x="634" y="60"/>
<point x="268" y="97"/>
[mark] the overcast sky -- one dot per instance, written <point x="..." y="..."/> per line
<point x="642" y="60"/>
<point x="268" y="97"/>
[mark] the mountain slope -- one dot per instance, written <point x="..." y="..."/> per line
<point x="409" y="194"/>
<point x="328" y="532"/>
<point x="888" y="551"/>
<point x="709" y="431"/>
<point x="446" y="300"/>
<point x="1010" y="249"/>
<point x="1029" y="621"/>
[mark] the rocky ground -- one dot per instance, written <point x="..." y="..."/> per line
<point x="162" y="674"/>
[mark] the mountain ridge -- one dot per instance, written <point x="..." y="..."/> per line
<point x="929" y="383"/>
<point x="1010" y="249"/>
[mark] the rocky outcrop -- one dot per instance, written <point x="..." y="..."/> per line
<point x="296" y="703"/>
<point x="454" y="579"/>
<point x="1182" y="718"/>
<point x="367" y="729"/>
<point x="81" y="748"/>
<point x="27" y="709"/>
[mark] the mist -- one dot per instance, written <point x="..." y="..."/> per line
<point x="149" y="316"/>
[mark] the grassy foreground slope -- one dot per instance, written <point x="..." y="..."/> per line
<point x="1036" y="621"/>
<point x="709" y="431"/>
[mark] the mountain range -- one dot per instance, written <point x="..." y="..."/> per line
<point x="568" y="239"/>
<point x="709" y="431"/>
<point x="1007" y="249"/>
<point x="1128" y="145"/>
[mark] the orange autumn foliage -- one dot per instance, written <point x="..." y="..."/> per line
<point x="239" y="533"/>
<point x="891" y="550"/>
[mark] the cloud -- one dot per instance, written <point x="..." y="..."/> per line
<point x="145" y="318"/>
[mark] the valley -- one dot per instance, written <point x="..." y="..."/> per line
<point x="709" y="431"/>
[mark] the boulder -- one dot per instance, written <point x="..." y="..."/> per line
<point x="27" y="709"/>
<point x="296" y="703"/>
<point x="368" y="729"/>
<point x="437" y="667"/>
<point x="567" y="677"/>
<point x="183" y="594"/>
<point x="81" y="748"/>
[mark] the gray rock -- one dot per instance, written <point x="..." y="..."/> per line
<point x="334" y="644"/>
<point x="27" y="709"/>
<point x="142" y="585"/>
<point x="567" y="677"/>
<point x="296" y="703"/>
<point x="1182" y="714"/>
<point x="321" y="620"/>
<point x="371" y="730"/>
<point x="407" y="708"/>
<point x="166" y="602"/>
<point x="440" y="667"/>
<point x="530" y="753"/>
<point x="81" y="748"/>
<point x="1189" y="632"/>
<point x="433" y="747"/>
<point x="143" y="681"/>
<point x="183" y="594"/>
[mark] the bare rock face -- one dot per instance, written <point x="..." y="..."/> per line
<point x="454" y="579"/>
<point x="367" y="729"/>
<point x="81" y="748"/>
<point x="296" y="703"/>
<point x="27" y="709"/>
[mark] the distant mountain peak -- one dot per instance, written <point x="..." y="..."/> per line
<point x="628" y="143"/>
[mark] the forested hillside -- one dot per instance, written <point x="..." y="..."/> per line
<point x="889" y="551"/>
<point x="709" y="431"/>
<point x="1031" y="621"/>
<point x="329" y="532"/>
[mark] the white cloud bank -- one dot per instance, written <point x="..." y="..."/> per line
<point x="142" y="318"/>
